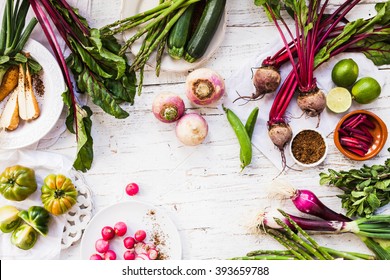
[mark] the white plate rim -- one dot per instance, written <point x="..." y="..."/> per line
<point x="184" y="66"/>
<point x="178" y="245"/>
<point x="49" y="114"/>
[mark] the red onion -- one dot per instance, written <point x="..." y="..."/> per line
<point x="306" y="201"/>
<point x="168" y="107"/>
<point x="204" y="86"/>
<point x="191" y="129"/>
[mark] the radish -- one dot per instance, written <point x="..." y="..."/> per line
<point x="120" y="228"/>
<point x="102" y="245"/>
<point x="132" y="189"/>
<point x="129" y="242"/>
<point x="191" y="129"/>
<point x="140" y="248"/>
<point x="140" y="235"/>
<point x="143" y="257"/>
<point x="204" y="86"/>
<point x="168" y="107"/>
<point x="110" y="255"/>
<point x="153" y="254"/>
<point x="108" y="233"/>
<point x="129" y="255"/>
<point x="96" y="257"/>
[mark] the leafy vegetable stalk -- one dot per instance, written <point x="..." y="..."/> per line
<point x="97" y="67"/>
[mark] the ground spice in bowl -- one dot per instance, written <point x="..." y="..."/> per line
<point x="308" y="147"/>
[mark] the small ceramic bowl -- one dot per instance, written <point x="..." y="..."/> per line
<point x="308" y="148"/>
<point x="379" y="133"/>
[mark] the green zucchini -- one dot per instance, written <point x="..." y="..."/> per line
<point x="180" y="33"/>
<point x="204" y="32"/>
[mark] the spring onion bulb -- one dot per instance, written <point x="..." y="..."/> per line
<point x="376" y="226"/>
<point x="305" y="201"/>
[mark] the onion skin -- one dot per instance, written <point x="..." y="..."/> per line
<point x="204" y="86"/>
<point x="191" y="129"/>
<point x="168" y="107"/>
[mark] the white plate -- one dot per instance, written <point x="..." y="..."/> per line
<point x="50" y="103"/>
<point x="137" y="215"/>
<point x="133" y="7"/>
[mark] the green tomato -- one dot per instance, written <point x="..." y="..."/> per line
<point x="24" y="237"/>
<point x="17" y="182"/>
<point x="37" y="217"/>
<point x="58" y="194"/>
<point x="9" y="219"/>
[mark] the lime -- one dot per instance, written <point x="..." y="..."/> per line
<point x="345" y="72"/>
<point x="338" y="100"/>
<point x="366" y="90"/>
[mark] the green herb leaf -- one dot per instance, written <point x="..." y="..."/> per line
<point x="84" y="155"/>
<point x="4" y="59"/>
<point x="20" y="58"/>
<point x="373" y="201"/>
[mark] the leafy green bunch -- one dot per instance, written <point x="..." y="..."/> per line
<point x="365" y="189"/>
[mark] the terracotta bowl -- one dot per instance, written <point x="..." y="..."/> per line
<point x="379" y="133"/>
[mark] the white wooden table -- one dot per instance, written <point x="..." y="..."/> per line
<point x="201" y="187"/>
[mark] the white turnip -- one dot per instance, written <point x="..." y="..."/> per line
<point x="191" y="129"/>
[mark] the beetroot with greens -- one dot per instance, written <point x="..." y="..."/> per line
<point x="318" y="36"/>
<point x="97" y="68"/>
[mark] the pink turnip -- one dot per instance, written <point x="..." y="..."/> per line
<point x="168" y="107"/>
<point x="204" y="86"/>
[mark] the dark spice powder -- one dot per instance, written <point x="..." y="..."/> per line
<point x="308" y="146"/>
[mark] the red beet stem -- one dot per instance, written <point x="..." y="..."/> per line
<point x="351" y="120"/>
<point x="356" y="151"/>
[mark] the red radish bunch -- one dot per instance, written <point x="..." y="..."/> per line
<point x="135" y="246"/>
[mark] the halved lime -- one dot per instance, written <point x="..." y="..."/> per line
<point x="345" y="72"/>
<point x="366" y="90"/>
<point x="338" y="100"/>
